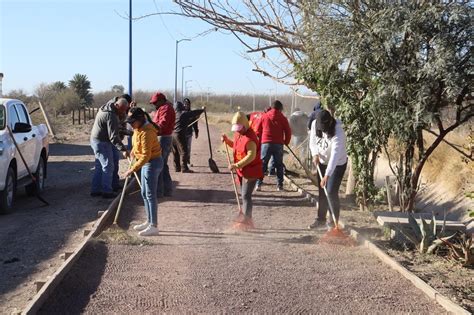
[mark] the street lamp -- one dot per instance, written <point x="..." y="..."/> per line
<point x="186" y="88"/>
<point x="182" y="79"/>
<point x="253" y="92"/>
<point x="1" y="79"/>
<point x="175" y="96"/>
<point x="270" y="97"/>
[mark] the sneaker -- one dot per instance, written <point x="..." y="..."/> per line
<point x="316" y="224"/>
<point x="258" y="188"/>
<point x="141" y="227"/>
<point x="149" y="231"/>
<point x="110" y="195"/>
<point x="280" y="188"/>
<point x="96" y="194"/>
<point x="187" y="171"/>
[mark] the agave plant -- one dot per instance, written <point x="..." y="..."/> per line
<point x="425" y="236"/>
<point x="462" y="250"/>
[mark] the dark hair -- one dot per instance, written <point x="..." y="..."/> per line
<point x="127" y="97"/>
<point x="277" y="105"/>
<point x="187" y="100"/>
<point x="325" y="123"/>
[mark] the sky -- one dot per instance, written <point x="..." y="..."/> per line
<point x="51" y="40"/>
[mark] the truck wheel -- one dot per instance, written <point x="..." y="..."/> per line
<point x="7" y="196"/>
<point x="38" y="186"/>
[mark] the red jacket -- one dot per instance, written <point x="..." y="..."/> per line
<point x="255" y="168"/>
<point x="254" y="122"/>
<point x="274" y="128"/>
<point x="165" y="118"/>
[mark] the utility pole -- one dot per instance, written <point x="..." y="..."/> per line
<point x="175" y="96"/>
<point x="130" y="48"/>
<point x="253" y="93"/>
<point x="182" y="79"/>
<point x="270" y="97"/>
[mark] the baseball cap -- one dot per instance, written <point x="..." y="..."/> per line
<point x="136" y="113"/>
<point x="158" y="96"/>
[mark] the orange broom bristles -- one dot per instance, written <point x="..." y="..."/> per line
<point x="338" y="237"/>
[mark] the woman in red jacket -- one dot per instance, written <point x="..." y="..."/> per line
<point x="247" y="162"/>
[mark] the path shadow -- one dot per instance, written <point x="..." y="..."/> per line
<point x="74" y="292"/>
<point x="66" y="149"/>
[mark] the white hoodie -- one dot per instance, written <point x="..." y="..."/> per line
<point x="332" y="152"/>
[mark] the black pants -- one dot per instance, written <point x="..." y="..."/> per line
<point x="332" y="186"/>
<point x="180" y="152"/>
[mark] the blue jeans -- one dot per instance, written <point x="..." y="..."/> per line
<point x="165" y="184"/>
<point x="332" y="186"/>
<point x="149" y="178"/>
<point x="115" y="177"/>
<point x="276" y="151"/>
<point x="104" y="166"/>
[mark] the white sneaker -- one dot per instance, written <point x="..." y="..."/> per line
<point x="141" y="227"/>
<point x="149" y="231"/>
<point x="258" y="188"/>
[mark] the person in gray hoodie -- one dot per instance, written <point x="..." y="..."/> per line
<point x="328" y="148"/>
<point x="105" y="141"/>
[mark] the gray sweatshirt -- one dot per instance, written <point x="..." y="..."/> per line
<point x="106" y="126"/>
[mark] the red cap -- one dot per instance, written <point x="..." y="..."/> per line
<point x="158" y="96"/>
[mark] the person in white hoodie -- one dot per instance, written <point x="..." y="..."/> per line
<point x="328" y="149"/>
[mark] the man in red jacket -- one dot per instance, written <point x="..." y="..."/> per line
<point x="274" y="131"/>
<point x="164" y="118"/>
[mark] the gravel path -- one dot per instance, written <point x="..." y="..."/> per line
<point x="200" y="265"/>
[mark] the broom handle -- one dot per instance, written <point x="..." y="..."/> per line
<point x="121" y="200"/>
<point x="135" y="173"/>
<point x="329" y="199"/>
<point x="233" y="179"/>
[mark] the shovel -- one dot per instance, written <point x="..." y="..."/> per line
<point x="212" y="163"/>
<point x="33" y="178"/>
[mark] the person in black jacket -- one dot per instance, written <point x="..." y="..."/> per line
<point x="180" y="146"/>
<point x="317" y="108"/>
<point x="194" y="128"/>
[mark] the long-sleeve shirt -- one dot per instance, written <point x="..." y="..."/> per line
<point x="146" y="146"/>
<point x="165" y="118"/>
<point x="274" y="128"/>
<point x="331" y="151"/>
<point x="107" y="126"/>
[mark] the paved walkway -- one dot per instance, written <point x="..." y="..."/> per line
<point x="200" y="265"/>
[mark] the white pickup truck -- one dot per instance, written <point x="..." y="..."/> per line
<point x="34" y="145"/>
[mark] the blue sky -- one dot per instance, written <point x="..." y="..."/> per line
<point x="51" y="40"/>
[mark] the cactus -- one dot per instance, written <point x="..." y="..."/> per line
<point x="462" y="250"/>
<point x="423" y="235"/>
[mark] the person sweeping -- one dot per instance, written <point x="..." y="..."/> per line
<point x="146" y="152"/>
<point x="247" y="162"/>
<point x="328" y="149"/>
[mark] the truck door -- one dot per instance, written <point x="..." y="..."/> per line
<point x="29" y="138"/>
<point x="12" y="119"/>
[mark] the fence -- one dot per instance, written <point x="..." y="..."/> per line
<point x="83" y="115"/>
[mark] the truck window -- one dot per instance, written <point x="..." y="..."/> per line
<point x="13" y="117"/>
<point x="22" y="113"/>
<point x="2" y="117"/>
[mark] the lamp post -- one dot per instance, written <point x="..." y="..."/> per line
<point x="1" y="88"/>
<point x="182" y="79"/>
<point x="270" y="97"/>
<point x="175" y="96"/>
<point x="251" y="83"/>
<point x="130" y="47"/>
<point x="186" y="88"/>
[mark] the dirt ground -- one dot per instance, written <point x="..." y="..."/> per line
<point x="33" y="236"/>
<point x="199" y="264"/>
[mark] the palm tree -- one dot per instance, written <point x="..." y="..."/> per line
<point x="81" y="85"/>
<point x="58" y="86"/>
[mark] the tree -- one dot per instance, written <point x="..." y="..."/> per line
<point x="82" y="86"/>
<point x="119" y="89"/>
<point x="411" y="60"/>
<point x="58" y="86"/>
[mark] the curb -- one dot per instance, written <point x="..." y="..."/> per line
<point x="48" y="287"/>
<point x="432" y="293"/>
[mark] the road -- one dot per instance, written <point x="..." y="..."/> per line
<point x="33" y="236"/>
<point x="199" y="264"/>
